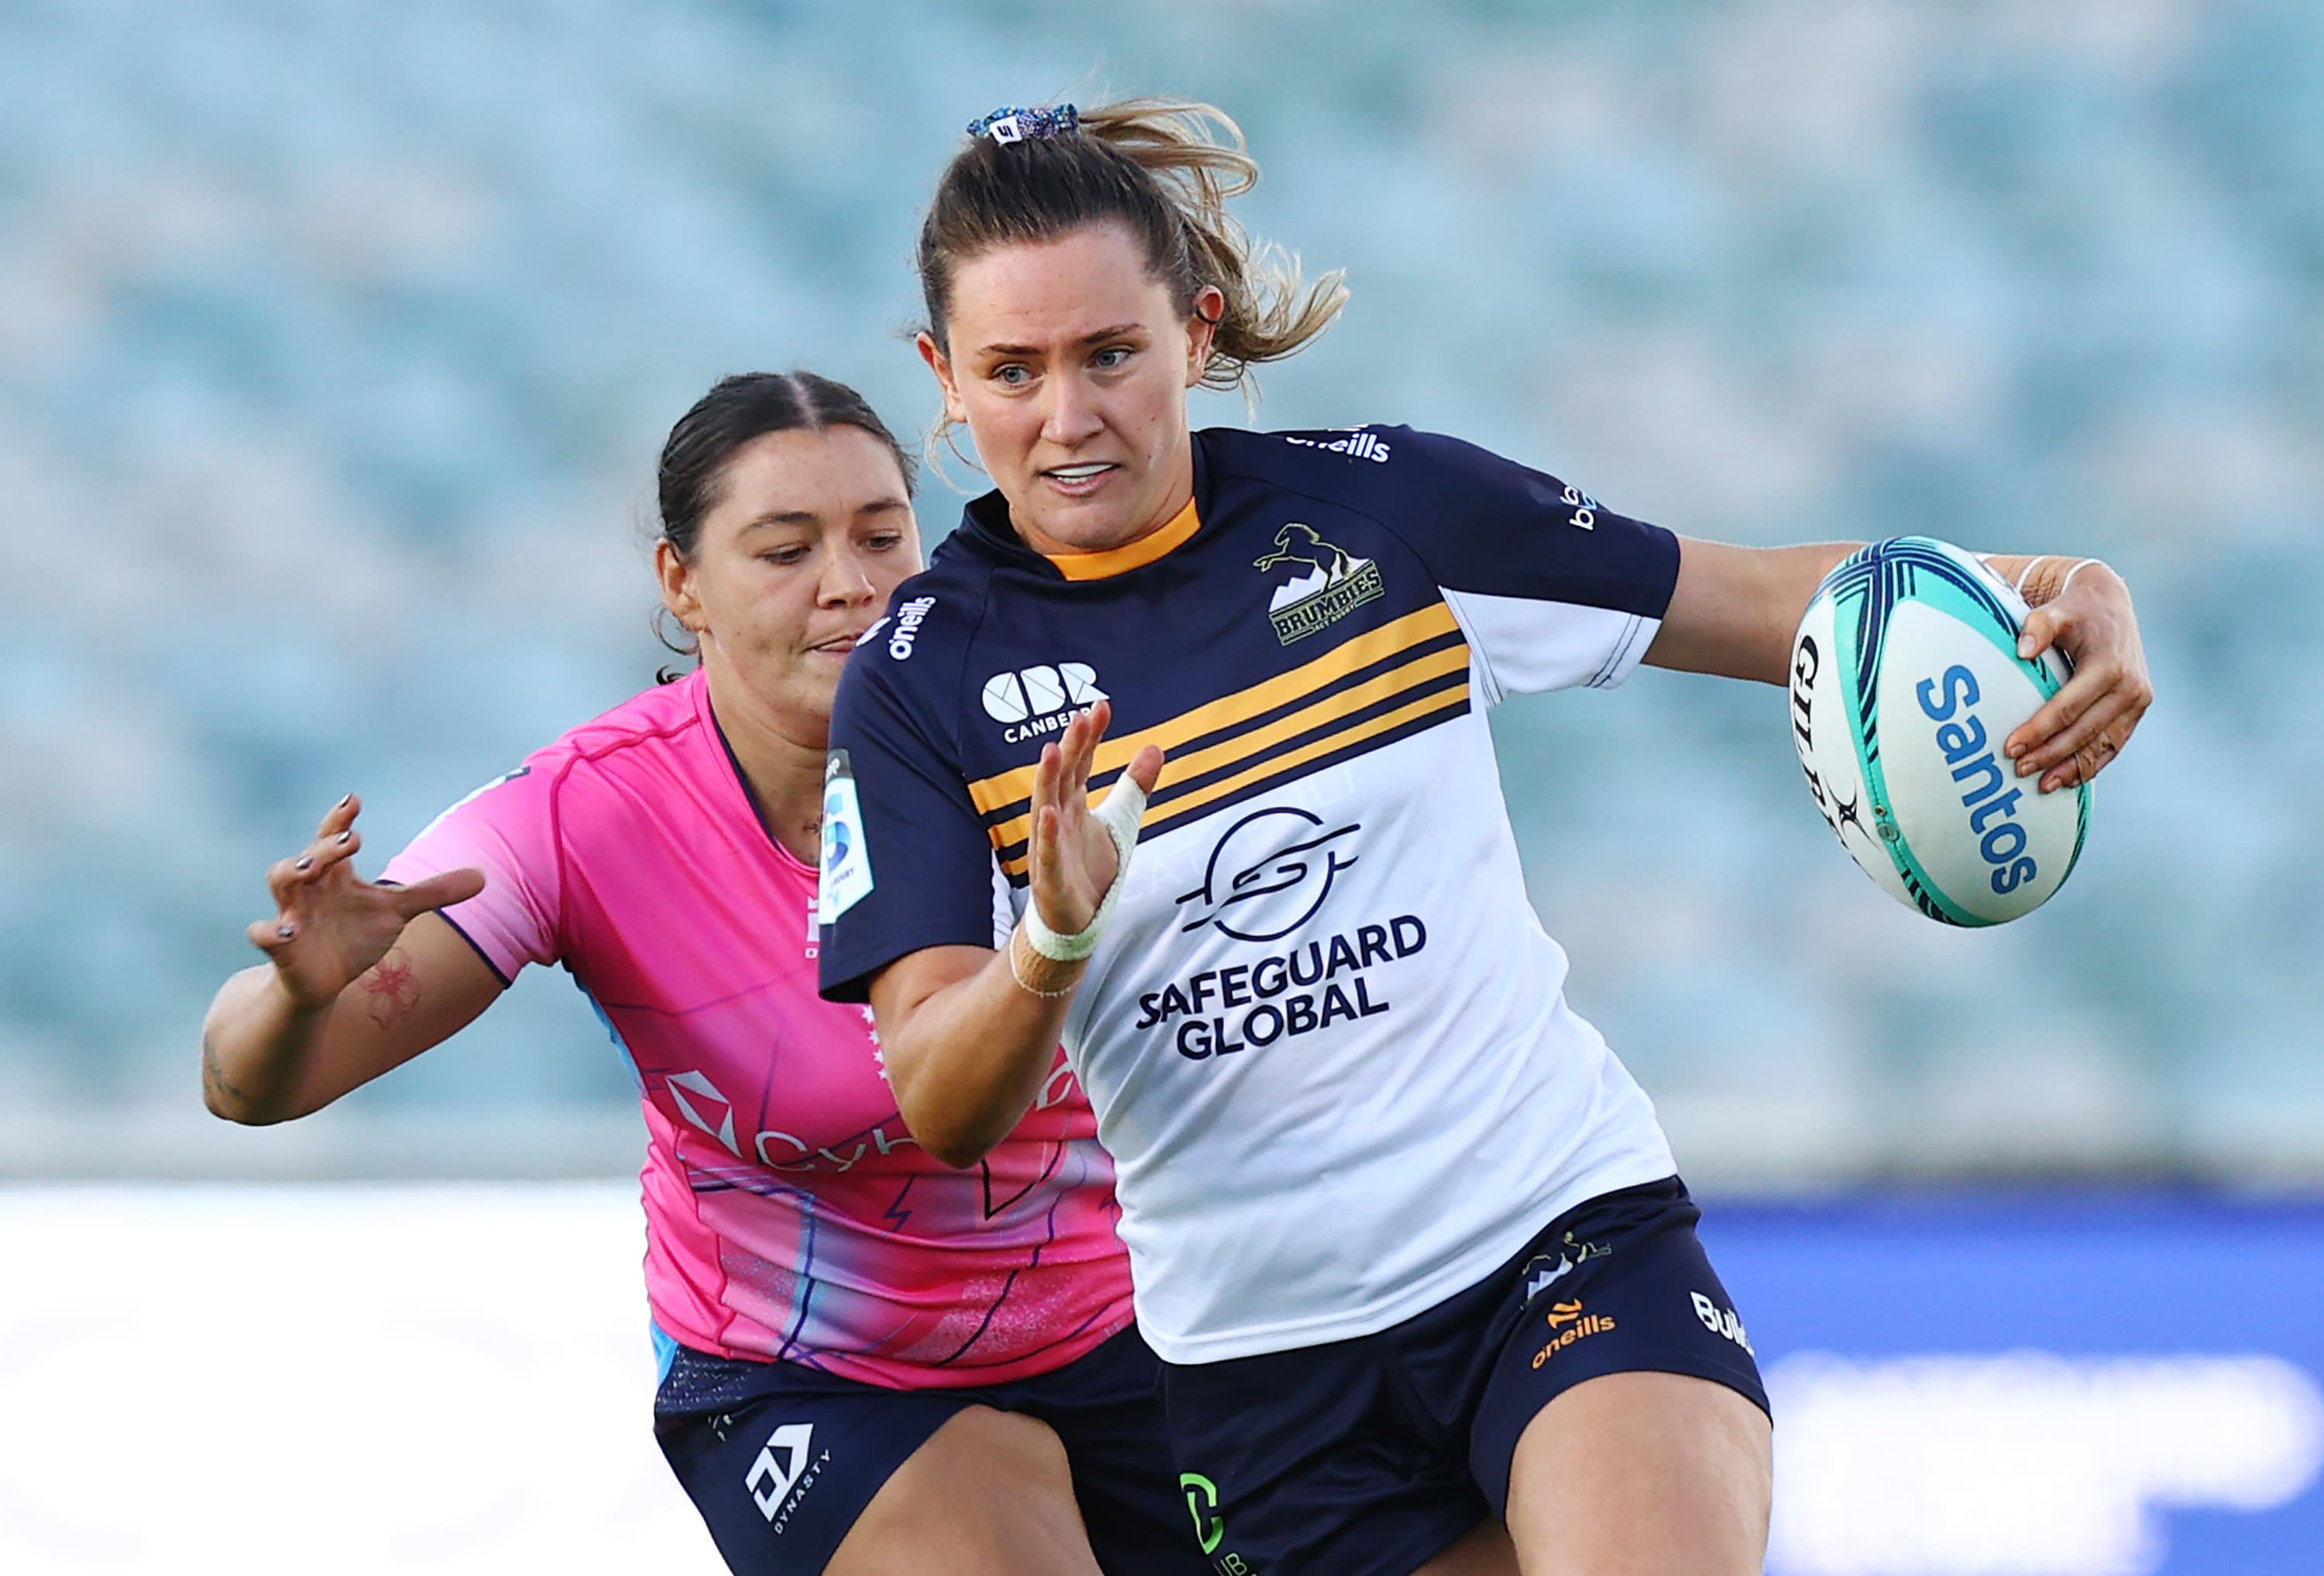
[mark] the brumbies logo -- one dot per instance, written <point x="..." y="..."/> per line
<point x="1334" y="585"/>
<point x="1268" y="875"/>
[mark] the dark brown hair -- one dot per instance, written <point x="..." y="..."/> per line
<point x="1163" y="167"/>
<point x="737" y="410"/>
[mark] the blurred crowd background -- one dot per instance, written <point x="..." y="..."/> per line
<point x="337" y="342"/>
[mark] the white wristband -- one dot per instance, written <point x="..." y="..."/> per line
<point x="2069" y="580"/>
<point x="1124" y="808"/>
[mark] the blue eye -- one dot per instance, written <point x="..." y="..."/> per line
<point x="1112" y="356"/>
<point x="1014" y="375"/>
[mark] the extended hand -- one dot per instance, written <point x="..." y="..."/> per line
<point x="331" y="924"/>
<point x="2085" y="726"/>
<point x="1071" y="860"/>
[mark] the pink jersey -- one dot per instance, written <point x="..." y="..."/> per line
<point x="789" y="1214"/>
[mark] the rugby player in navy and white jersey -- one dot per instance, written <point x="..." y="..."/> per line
<point x="1406" y="1236"/>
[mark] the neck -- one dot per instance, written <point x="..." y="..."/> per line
<point x="782" y="771"/>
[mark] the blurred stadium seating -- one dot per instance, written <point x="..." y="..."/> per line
<point x="336" y="344"/>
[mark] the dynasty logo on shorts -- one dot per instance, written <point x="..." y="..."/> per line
<point x="1572" y="1324"/>
<point x="786" y="1466"/>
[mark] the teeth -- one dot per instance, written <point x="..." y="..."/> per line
<point x="1078" y="473"/>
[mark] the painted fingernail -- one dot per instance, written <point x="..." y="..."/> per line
<point x="287" y="932"/>
<point x="305" y="862"/>
<point x="2025" y="647"/>
<point x="344" y="802"/>
<point x="346" y="835"/>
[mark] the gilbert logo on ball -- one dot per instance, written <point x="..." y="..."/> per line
<point x="1905" y="683"/>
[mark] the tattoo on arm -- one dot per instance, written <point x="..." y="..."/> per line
<point x="217" y="1086"/>
<point x="393" y="988"/>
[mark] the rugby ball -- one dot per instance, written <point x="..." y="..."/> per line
<point x="1905" y="684"/>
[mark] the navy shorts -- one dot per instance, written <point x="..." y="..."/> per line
<point x="781" y="1459"/>
<point x="1367" y="1457"/>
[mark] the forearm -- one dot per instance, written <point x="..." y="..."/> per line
<point x="257" y="1045"/>
<point x="1735" y="610"/>
<point x="968" y="1059"/>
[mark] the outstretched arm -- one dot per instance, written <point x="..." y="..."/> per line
<point x="1734" y="611"/>
<point x="360" y="978"/>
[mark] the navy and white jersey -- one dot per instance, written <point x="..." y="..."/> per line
<point x="1325" y="1035"/>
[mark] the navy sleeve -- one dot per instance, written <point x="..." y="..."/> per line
<point x="1552" y="587"/>
<point x="906" y="861"/>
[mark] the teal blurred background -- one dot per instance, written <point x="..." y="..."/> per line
<point x="337" y="342"/>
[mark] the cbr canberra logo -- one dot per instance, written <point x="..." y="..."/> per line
<point x="1268" y="876"/>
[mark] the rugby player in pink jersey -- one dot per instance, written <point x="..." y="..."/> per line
<point x="871" y="1360"/>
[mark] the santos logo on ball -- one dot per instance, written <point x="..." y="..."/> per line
<point x="1040" y="699"/>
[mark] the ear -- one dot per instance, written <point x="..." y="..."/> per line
<point x="677" y="577"/>
<point x="1202" y="330"/>
<point x="941" y="364"/>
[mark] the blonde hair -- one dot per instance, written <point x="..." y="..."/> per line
<point x="1165" y="168"/>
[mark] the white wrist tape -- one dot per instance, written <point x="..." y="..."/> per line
<point x="1124" y="808"/>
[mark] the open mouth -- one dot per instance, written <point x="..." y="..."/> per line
<point x="1080" y="477"/>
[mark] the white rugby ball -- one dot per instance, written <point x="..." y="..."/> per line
<point x="1905" y="684"/>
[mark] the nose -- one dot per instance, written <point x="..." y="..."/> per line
<point x="1071" y="419"/>
<point x="843" y="580"/>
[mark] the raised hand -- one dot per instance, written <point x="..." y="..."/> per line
<point x="2078" y="734"/>
<point x="1070" y="861"/>
<point x="332" y="925"/>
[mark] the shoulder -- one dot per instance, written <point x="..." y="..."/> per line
<point x="915" y="651"/>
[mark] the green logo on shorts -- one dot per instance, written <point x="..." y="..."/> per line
<point x="1203" y="1501"/>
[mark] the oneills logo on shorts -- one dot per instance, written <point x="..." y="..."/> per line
<point x="1334" y="585"/>
<point x="1572" y="1324"/>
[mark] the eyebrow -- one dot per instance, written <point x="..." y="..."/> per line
<point x="888" y="504"/>
<point x="1117" y="331"/>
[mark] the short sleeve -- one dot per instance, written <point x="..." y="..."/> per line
<point x="906" y="861"/>
<point x="1551" y="588"/>
<point x="505" y="830"/>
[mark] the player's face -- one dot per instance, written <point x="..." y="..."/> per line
<point x="1070" y="367"/>
<point x="809" y="534"/>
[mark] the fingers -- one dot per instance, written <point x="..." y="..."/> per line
<point x="2091" y="741"/>
<point x="339" y="818"/>
<point x="2034" y="744"/>
<point x="442" y="890"/>
<point x="1146" y="771"/>
<point x="287" y="878"/>
<point x="2040" y="631"/>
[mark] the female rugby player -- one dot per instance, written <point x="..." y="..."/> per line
<point x="871" y="1362"/>
<point x="1407" y="1237"/>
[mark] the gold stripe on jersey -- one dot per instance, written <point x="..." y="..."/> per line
<point x="1249" y="746"/>
<point x="1452" y="701"/>
<point x="1010" y="788"/>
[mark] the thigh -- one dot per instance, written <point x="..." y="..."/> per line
<point x="1627" y="1290"/>
<point x="990" y="1494"/>
<point x="1107" y="1411"/>
<point x="1642" y="1474"/>
<point x="854" y="1480"/>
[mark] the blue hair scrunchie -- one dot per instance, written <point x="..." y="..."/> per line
<point x="1016" y="123"/>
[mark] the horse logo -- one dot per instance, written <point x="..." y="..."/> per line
<point x="1336" y="583"/>
<point x="1317" y="554"/>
